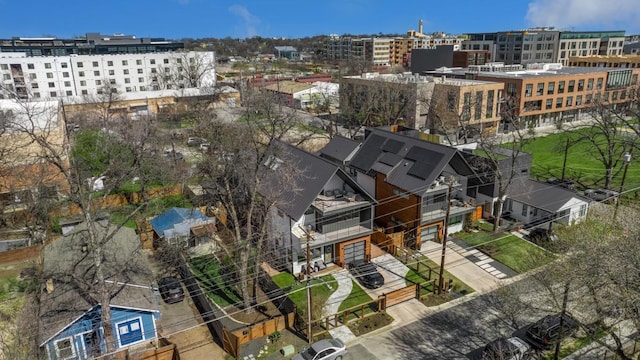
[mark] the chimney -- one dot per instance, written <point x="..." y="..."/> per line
<point x="420" y="26"/>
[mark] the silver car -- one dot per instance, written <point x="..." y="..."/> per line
<point x="328" y="349"/>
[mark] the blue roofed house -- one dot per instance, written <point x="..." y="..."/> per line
<point x="189" y="227"/>
<point x="325" y="208"/>
<point x="70" y="311"/>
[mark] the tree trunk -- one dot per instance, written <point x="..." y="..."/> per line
<point x="243" y="278"/>
<point x="497" y="213"/>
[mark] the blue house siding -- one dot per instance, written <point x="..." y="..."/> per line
<point x="130" y="326"/>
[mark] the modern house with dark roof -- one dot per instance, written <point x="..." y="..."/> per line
<point x="326" y="209"/>
<point x="535" y="203"/>
<point x="410" y="178"/>
<point x="340" y="150"/>
<point x="70" y="311"/>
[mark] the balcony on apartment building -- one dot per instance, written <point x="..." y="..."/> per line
<point x="337" y="215"/>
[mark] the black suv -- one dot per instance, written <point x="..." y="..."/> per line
<point x="546" y="332"/>
<point x="366" y="274"/>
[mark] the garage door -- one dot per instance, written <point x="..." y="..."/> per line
<point x="353" y="252"/>
<point x="429" y="234"/>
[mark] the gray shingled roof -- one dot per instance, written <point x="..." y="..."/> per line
<point x="541" y="195"/>
<point x="65" y="263"/>
<point x="339" y="148"/>
<point x="409" y="163"/>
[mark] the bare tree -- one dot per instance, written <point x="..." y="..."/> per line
<point x="186" y="70"/>
<point x="235" y="175"/>
<point x="103" y="154"/>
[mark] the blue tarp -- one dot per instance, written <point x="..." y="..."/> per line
<point x="176" y="216"/>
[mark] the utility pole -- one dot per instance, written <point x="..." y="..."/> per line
<point x="564" y="162"/>
<point x="308" y="274"/>
<point x="444" y="239"/>
<point x="627" y="160"/>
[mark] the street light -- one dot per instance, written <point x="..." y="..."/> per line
<point x="627" y="160"/>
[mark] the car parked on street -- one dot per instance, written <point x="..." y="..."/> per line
<point x="366" y="274"/>
<point x="327" y="349"/>
<point x="547" y="332"/>
<point x="171" y="290"/>
<point x="512" y="348"/>
<point x="601" y="195"/>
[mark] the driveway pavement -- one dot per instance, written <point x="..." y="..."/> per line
<point x="459" y="265"/>
<point x="393" y="271"/>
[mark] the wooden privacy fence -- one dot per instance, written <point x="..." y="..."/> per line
<point x="398" y="296"/>
<point x="233" y="339"/>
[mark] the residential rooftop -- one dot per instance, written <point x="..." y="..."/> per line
<point x="518" y="71"/>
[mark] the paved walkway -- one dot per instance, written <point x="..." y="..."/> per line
<point x="457" y="263"/>
<point x="331" y="306"/>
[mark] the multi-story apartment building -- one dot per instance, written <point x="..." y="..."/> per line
<point x="92" y="43"/>
<point x="585" y="43"/>
<point x="48" y="77"/>
<point x="546" y="94"/>
<point x="544" y="45"/>
<point x="422" y="102"/>
<point x="614" y="61"/>
<point x="481" y="41"/>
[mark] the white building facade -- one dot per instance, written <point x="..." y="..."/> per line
<point x="53" y="77"/>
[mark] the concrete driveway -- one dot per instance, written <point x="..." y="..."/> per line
<point x="393" y="271"/>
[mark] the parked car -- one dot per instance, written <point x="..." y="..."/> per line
<point x="542" y="235"/>
<point x="512" y="348"/>
<point x="566" y="183"/>
<point x="366" y="274"/>
<point x="174" y="155"/>
<point x="194" y="141"/>
<point x="327" y="349"/>
<point x="546" y="332"/>
<point x="171" y="290"/>
<point x="601" y="194"/>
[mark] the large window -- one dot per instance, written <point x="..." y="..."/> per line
<point x="550" y="88"/>
<point x="590" y="84"/>
<point x="540" y="90"/>
<point x="572" y="84"/>
<point x="581" y="85"/>
<point x="489" y="110"/>
<point x="478" y="106"/>
<point x="64" y="348"/>
<point x="560" y="87"/>
<point x="130" y="332"/>
<point x="528" y="90"/>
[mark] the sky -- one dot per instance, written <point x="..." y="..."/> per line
<point x="177" y="19"/>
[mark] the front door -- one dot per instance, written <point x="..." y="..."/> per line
<point x="328" y="254"/>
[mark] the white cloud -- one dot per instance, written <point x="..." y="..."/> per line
<point x="614" y="14"/>
<point x="249" y="20"/>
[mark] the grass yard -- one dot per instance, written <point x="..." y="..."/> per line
<point x="512" y="251"/>
<point x="212" y="279"/>
<point x="582" y="163"/>
<point x="418" y="273"/>
<point x="356" y="297"/>
<point x="321" y="289"/>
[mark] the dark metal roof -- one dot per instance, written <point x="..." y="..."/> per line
<point x="295" y="195"/>
<point x="410" y="163"/>
<point x="339" y="148"/>
<point x="541" y="195"/>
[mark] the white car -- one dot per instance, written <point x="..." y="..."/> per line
<point x="512" y="348"/>
<point x="327" y="349"/>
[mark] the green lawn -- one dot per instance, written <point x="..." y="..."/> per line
<point x="512" y="251"/>
<point x="419" y="274"/>
<point x="582" y="163"/>
<point x="210" y="275"/>
<point x="356" y="297"/>
<point x="321" y="289"/>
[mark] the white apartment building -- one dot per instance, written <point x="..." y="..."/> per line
<point x="589" y="43"/>
<point x="51" y="77"/>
